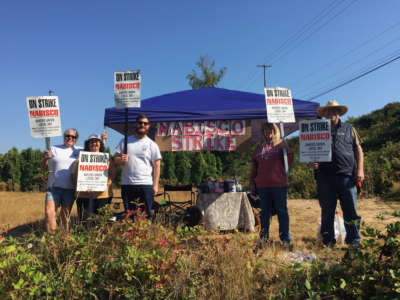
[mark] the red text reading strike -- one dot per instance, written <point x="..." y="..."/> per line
<point x="315" y="136"/>
<point x="44" y="113"/>
<point x="279" y="101"/>
<point x="126" y="86"/>
<point x="92" y="168"/>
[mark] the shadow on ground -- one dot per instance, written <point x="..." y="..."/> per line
<point x="37" y="228"/>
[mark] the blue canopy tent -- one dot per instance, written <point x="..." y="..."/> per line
<point x="205" y="104"/>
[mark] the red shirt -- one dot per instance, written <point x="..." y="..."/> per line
<point x="268" y="168"/>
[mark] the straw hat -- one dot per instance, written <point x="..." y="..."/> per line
<point x="332" y="105"/>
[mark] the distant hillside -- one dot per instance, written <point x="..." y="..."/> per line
<point x="379" y="127"/>
<point x="380" y="135"/>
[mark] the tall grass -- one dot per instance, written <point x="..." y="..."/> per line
<point x="140" y="260"/>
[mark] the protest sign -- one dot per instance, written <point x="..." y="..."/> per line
<point x="92" y="171"/>
<point x="127" y="89"/>
<point x="279" y="105"/>
<point x="44" y="116"/>
<point x="215" y="135"/>
<point x="315" y="141"/>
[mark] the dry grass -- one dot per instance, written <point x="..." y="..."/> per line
<point x="19" y="208"/>
<point x="24" y="208"/>
<point x="304" y="215"/>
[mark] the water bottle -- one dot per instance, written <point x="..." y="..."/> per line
<point x="235" y="184"/>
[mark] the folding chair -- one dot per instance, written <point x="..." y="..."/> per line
<point x="181" y="206"/>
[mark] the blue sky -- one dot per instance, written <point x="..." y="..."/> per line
<point x="73" y="48"/>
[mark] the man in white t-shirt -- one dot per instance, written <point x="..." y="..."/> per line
<point x="141" y="167"/>
<point x="60" y="189"/>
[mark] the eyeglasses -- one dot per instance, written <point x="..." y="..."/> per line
<point x="143" y="123"/>
<point x="70" y="136"/>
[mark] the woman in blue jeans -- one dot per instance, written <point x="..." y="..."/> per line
<point x="268" y="178"/>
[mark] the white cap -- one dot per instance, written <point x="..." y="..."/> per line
<point x="94" y="136"/>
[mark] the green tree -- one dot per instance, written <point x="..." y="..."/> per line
<point x="198" y="167"/>
<point x="183" y="166"/>
<point x="31" y="174"/>
<point x="208" y="77"/>
<point x="211" y="170"/>
<point x="168" y="165"/>
<point x="219" y="165"/>
<point x="11" y="167"/>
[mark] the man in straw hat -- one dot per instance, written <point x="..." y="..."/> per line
<point x="338" y="178"/>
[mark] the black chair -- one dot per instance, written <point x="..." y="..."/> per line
<point x="181" y="206"/>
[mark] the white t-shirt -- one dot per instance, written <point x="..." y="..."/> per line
<point x="141" y="155"/>
<point x="63" y="159"/>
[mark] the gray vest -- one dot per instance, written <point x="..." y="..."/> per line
<point x="343" y="161"/>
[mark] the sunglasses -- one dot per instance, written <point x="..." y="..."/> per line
<point x="143" y="123"/>
<point x="70" y="136"/>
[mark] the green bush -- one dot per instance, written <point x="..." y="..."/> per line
<point x="369" y="271"/>
<point x="382" y="168"/>
<point x="140" y="260"/>
<point x="128" y="260"/>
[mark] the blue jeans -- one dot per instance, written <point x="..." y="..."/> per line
<point x="61" y="196"/>
<point x="331" y="187"/>
<point x="274" y="196"/>
<point x="130" y="193"/>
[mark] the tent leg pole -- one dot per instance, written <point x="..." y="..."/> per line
<point x="126" y="132"/>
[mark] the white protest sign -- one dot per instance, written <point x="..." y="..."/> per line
<point x="44" y="116"/>
<point x="315" y="141"/>
<point x="279" y="105"/>
<point x="92" y="171"/>
<point x="127" y="89"/>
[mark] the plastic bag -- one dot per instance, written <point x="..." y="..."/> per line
<point x="338" y="225"/>
<point x="300" y="256"/>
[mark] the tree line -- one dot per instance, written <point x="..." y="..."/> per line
<point x="20" y="170"/>
<point x="379" y="132"/>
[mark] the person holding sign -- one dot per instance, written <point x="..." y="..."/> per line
<point x="268" y="178"/>
<point x="60" y="190"/>
<point x="141" y="167"/>
<point x="93" y="201"/>
<point x="338" y="178"/>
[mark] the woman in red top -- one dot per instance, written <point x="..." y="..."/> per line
<point x="268" y="178"/>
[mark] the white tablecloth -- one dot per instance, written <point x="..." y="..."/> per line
<point x="226" y="211"/>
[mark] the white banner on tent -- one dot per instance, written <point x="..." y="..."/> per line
<point x="209" y="127"/>
<point x="92" y="171"/>
<point x="127" y="89"/>
<point x="44" y="116"/>
<point x="315" y="141"/>
<point x="279" y="105"/>
<point x="215" y="135"/>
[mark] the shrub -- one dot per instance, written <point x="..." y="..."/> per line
<point x="140" y="260"/>
<point x="369" y="271"/>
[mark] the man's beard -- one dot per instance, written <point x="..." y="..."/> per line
<point x="141" y="133"/>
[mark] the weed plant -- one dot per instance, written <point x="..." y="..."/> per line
<point x="140" y="260"/>
<point x="370" y="270"/>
